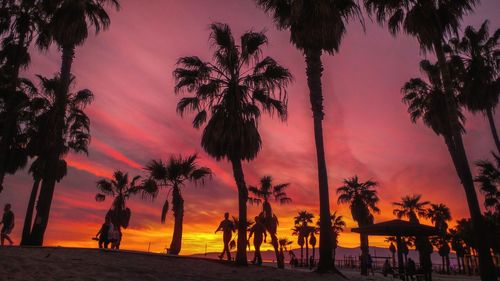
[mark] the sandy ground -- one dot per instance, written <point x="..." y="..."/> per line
<point x="59" y="264"/>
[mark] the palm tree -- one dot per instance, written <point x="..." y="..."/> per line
<point x="440" y="214"/>
<point x="300" y="233"/>
<point x="173" y="175"/>
<point x="69" y="27"/>
<point x="229" y="95"/>
<point x="22" y="22"/>
<point x="121" y="188"/>
<point x="411" y="207"/>
<point x="338" y="225"/>
<point x="431" y="22"/>
<point x="312" y="241"/>
<point x="75" y="138"/>
<point x="284" y="243"/>
<point x="316" y="27"/>
<point x="480" y="54"/>
<point x="263" y="194"/>
<point x="458" y="245"/>
<point x="302" y="221"/>
<point x="362" y="199"/>
<point x="489" y="182"/>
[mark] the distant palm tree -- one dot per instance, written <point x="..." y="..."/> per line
<point x="69" y="28"/>
<point x="362" y="199"/>
<point x="284" y="243"/>
<point x="489" y="182"/>
<point x="172" y="175"/>
<point x="121" y="188"/>
<point x="229" y="95"/>
<point x="312" y="241"/>
<point x="316" y="27"/>
<point x="302" y="221"/>
<point x="480" y="54"/>
<point x="22" y="22"/>
<point x="299" y="231"/>
<point x="75" y="137"/>
<point x="458" y="245"/>
<point x="440" y="214"/>
<point x="411" y="207"/>
<point x="432" y="22"/>
<point x="263" y="193"/>
<point x="338" y="225"/>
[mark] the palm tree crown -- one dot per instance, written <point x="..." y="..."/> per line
<point x="411" y="206"/>
<point x="266" y="190"/>
<point x="231" y="92"/>
<point x="361" y="197"/>
<point x="439" y="214"/>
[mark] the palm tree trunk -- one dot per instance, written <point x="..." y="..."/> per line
<point x="25" y="240"/>
<point x="494" y="133"/>
<point x="307" y="253"/>
<point x="364" y="253"/>
<point x="50" y="175"/>
<point x="486" y="266"/>
<point x="279" y="258"/>
<point x="178" y="206"/>
<point x="302" y="255"/>
<point x="241" y="254"/>
<point x="314" y="72"/>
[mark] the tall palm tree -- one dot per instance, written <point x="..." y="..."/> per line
<point x="75" y="137"/>
<point x="481" y="81"/>
<point x="362" y="199"/>
<point x="173" y="175"/>
<point x="121" y="188"/>
<point x="69" y="28"/>
<point x="432" y="22"/>
<point x="263" y="194"/>
<point x="411" y="207"/>
<point x="302" y="221"/>
<point x="22" y="22"/>
<point x="440" y="215"/>
<point x="229" y="95"/>
<point x="489" y="182"/>
<point x="316" y="27"/>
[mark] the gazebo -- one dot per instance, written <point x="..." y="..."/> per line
<point x="398" y="229"/>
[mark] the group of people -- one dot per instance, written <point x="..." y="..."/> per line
<point x="109" y="235"/>
<point x="410" y="269"/>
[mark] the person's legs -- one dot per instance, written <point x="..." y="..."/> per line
<point x="2" y="239"/>
<point x="258" y="255"/>
<point x="8" y="239"/>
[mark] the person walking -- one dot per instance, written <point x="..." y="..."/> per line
<point x="227" y="227"/>
<point x="8" y="224"/>
<point x="258" y="230"/>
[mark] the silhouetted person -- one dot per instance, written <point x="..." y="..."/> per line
<point x="411" y="269"/>
<point x="259" y="232"/>
<point x="8" y="224"/>
<point x="227" y="227"/>
<point x="103" y="234"/>
<point x="387" y="269"/>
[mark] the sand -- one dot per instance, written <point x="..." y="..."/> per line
<point x="40" y="264"/>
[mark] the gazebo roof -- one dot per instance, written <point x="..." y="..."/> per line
<point x="397" y="228"/>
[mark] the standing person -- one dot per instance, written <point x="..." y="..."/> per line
<point x="8" y="224"/>
<point x="411" y="269"/>
<point x="103" y="234"/>
<point x="259" y="229"/>
<point x="227" y="228"/>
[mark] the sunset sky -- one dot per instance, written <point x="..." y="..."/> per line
<point x="367" y="129"/>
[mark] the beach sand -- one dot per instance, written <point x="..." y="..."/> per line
<point x="60" y="264"/>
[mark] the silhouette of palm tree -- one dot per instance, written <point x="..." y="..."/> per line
<point x="440" y="214"/>
<point x="300" y="233"/>
<point x="76" y="136"/>
<point x="362" y="199"/>
<point x="338" y="225"/>
<point x="411" y="207"/>
<point x="479" y="91"/>
<point x="68" y="27"/>
<point x="172" y="175"/>
<point x="489" y="182"/>
<point x="229" y="95"/>
<point x="302" y="221"/>
<point x="316" y="27"/>
<point x="263" y="193"/>
<point x="21" y="23"/>
<point x="121" y="188"/>
<point x="431" y="22"/>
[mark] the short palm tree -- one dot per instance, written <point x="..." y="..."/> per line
<point x="172" y="175"/>
<point x="411" y="207"/>
<point x="489" y="182"/>
<point x="440" y="215"/>
<point x="316" y="27"/>
<point x="69" y="28"/>
<point x="481" y="56"/>
<point x="75" y="138"/>
<point x="432" y="22"/>
<point x="121" y="188"/>
<point x="263" y="194"/>
<point x="299" y="231"/>
<point x="362" y="199"/>
<point x="338" y="225"/>
<point x="284" y="243"/>
<point x="302" y="221"/>
<point x="229" y="96"/>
